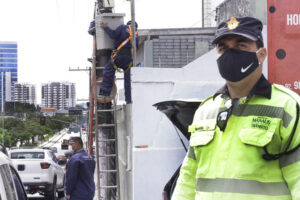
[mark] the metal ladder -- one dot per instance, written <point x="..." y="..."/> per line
<point x="107" y="168"/>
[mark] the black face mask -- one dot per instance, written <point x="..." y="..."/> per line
<point x="234" y="65"/>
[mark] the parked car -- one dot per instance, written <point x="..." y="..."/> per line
<point x="39" y="171"/>
<point x="11" y="187"/>
<point x="181" y="114"/>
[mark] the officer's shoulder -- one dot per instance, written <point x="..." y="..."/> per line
<point x="286" y="92"/>
<point x="209" y="100"/>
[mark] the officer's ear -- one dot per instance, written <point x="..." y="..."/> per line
<point x="261" y="54"/>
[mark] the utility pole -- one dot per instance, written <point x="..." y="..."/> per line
<point x="134" y="36"/>
<point x="89" y="70"/>
<point x="202" y="13"/>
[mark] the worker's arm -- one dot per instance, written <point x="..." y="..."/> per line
<point x="113" y="34"/>
<point x="186" y="184"/>
<point x="72" y="175"/>
<point x="91" y="30"/>
<point x="290" y="164"/>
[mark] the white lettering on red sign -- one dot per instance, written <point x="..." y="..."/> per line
<point x="288" y="85"/>
<point x="297" y="85"/>
<point x="293" y="19"/>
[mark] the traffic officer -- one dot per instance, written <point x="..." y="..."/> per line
<point x="80" y="183"/>
<point x="245" y="138"/>
<point x="121" y="59"/>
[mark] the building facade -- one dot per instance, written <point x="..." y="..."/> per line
<point x="25" y="93"/>
<point x="8" y="71"/>
<point x="58" y="95"/>
<point x="173" y="48"/>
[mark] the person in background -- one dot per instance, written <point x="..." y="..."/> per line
<point x="121" y="59"/>
<point x="80" y="170"/>
<point x="245" y="138"/>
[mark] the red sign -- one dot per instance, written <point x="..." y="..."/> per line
<point x="284" y="43"/>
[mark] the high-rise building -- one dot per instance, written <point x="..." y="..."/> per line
<point x="8" y="71"/>
<point x="25" y="93"/>
<point x="58" y="95"/>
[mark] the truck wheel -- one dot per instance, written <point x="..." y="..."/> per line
<point x="51" y="195"/>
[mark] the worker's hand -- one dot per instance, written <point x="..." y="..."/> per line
<point x="103" y="25"/>
<point x="68" y="196"/>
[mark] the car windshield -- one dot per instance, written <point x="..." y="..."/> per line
<point x="27" y="155"/>
<point x="8" y="183"/>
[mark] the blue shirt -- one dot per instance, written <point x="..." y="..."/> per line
<point x="80" y="176"/>
<point x="92" y="28"/>
<point x="119" y="35"/>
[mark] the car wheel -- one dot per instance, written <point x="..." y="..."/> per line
<point x="52" y="194"/>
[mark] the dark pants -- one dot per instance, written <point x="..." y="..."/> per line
<point x="122" y="61"/>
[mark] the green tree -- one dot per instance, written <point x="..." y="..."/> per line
<point x="18" y="134"/>
<point x="9" y="123"/>
<point x="5" y="137"/>
<point x="33" y="129"/>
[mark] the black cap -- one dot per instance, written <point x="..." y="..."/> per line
<point x="129" y="23"/>
<point x="247" y="27"/>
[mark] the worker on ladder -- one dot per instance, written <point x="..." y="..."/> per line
<point x="121" y="59"/>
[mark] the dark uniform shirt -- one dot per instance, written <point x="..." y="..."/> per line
<point x="119" y="35"/>
<point x="80" y="183"/>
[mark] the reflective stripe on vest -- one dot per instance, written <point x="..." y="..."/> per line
<point x="206" y="116"/>
<point x="289" y="159"/>
<point x="263" y="110"/>
<point x="191" y="153"/>
<point x="242" y="186"/>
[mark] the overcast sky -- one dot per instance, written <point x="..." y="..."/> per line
<point x="52" y="34"/>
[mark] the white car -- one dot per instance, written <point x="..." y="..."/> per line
<point x="39" y="171"/>
<point x="11" y="187"/>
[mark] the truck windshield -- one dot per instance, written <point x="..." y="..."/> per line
<point x="27" y="155"/>
<point x="8" y="183"/>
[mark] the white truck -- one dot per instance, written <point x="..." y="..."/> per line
<point x="39" y="171"/>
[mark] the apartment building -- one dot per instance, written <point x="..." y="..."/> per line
<point x="25" y="93"/>
<point x="58" y="95"/>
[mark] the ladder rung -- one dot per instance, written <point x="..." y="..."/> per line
<point x="106" y="125"/>
<point x="109" y="155"/>
<point x="108" y="187"/>
<point x="108" y="171"/>
<point x="108" y="140"/>
<point x="98" y="81"/>
<point x="99" y="67"/>
<point x="119" y="78"/>
<point x="106" y="110"/>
